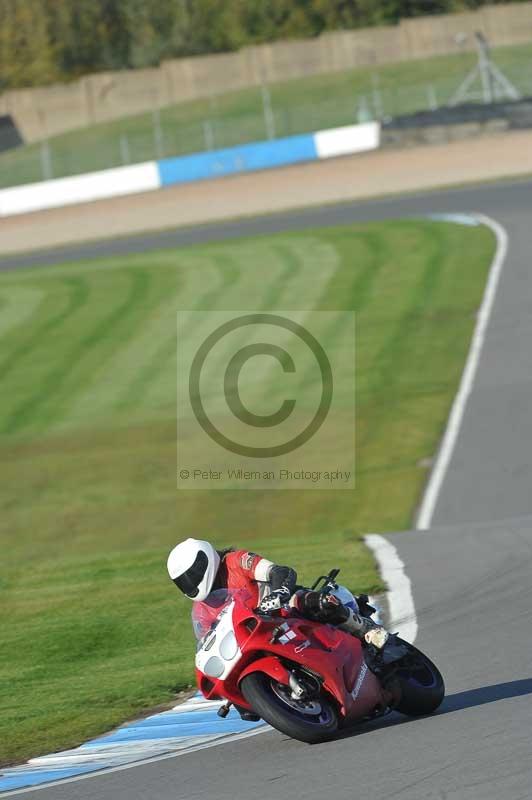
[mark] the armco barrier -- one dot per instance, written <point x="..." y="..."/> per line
<point x="184" y="169"/>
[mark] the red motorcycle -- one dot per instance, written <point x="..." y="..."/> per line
<point x="305" y="678"/>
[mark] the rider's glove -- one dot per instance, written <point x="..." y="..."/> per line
<point x="321" y="606"/>
<point x="275" y="600"/>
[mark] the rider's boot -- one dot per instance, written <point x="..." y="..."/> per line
<point x="382" y="648"/>
<point x="327" y="608"/>
<point x="365" y="629"/>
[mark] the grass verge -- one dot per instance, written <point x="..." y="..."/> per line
<point x="93" y="632"/>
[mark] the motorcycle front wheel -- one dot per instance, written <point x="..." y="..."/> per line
<point x="311" y="720"/>
<point x="419" y="682"/>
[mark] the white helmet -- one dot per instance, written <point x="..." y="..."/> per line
<point x="192" y="565"/>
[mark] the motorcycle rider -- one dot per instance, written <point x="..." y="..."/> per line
<point x="197" y="568"/>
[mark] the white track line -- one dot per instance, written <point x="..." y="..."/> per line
<point x="445" y="452"/>
<point x="229" y="739"/>
<point x="399" y="588"/>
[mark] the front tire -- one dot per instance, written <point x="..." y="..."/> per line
<point x="309" y="721"/>
<point x="420" y="684"/>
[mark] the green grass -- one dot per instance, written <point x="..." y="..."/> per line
<point x="93" y="632"/>
<point x="299" y="106"/>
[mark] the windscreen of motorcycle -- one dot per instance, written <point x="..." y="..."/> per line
<point x="212" y="620"/>
<point x="346" y="597"/>
<point x="205" y="613"/>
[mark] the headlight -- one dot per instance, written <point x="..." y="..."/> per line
<point x="229" y="646"/>
<point x="214" y="667"/>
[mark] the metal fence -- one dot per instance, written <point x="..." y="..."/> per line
<point x="229" y="120"/>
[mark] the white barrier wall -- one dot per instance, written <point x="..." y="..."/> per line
<point x="79" y="188"/>
<point x="348" y="139"/>
<point x="197" y="166"/>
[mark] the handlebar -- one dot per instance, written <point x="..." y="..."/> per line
<point x="330" y="578"/>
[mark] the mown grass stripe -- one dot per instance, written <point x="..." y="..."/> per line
<point x="17" y="305"/>
<point x="356" y="289"/>
<point x="164" y="357"/>
<point x="76" y="299"/>
<point x="51" y="387"/>
<point x="389" y="362"/>
<point x="303" y="267"/>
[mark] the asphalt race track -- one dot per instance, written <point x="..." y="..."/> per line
<point x="471" y="576"/>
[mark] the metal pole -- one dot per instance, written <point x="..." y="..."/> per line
<point x="46" y="161"/>
<point x="269" y="117"/>
<point x="157" y="133"/>
<point x="484" y="67"/>
<point x="377" y="97"/>
<point x="363" y="112"/>
<point x="432" y="97"/>
<point x="214" y="121"/>
<point x="462" y="93"/>
<point x="124" y="149"/>
<point x="208" y="135"/>
<point x="504" y="85"/>
<point x="493" y="82"/>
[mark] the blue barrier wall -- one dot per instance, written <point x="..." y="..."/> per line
<point x="245" y="158"/>
<point x="184" y="169"/>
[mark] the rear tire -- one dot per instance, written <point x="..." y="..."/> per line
<point x="420" y="684"/>
<point x="315" y="723"/>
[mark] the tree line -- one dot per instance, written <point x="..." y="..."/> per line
<point x="43" y="41"/>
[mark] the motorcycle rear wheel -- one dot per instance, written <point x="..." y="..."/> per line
<point x="420" y="684"/>
<point x="308" y="721"/>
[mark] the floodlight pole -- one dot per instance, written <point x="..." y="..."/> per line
<point x="484" y="67"/>
<point x="494" y="83"/>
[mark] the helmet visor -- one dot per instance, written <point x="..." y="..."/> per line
<point x="190" y="580"/>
